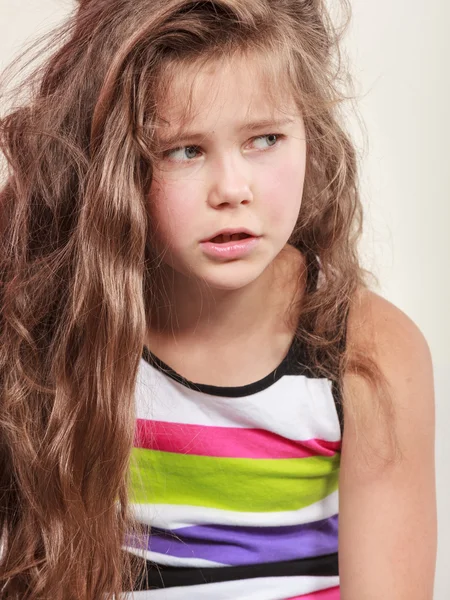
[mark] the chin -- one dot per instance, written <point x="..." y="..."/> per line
<point x="231" y="276"/>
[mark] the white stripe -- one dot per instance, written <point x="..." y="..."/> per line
<point x="295" y="407"/>
<point x="264" y="588"/>
<point x="173" y="561"/>
<point x="173" y="516"/>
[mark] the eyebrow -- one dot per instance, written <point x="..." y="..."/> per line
<point x="199" y="135"/>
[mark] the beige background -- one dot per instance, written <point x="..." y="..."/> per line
<point x="399" y="52"/>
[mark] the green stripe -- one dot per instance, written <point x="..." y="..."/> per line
<point x="240" y="484"/>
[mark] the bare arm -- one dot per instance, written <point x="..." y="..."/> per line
<point x="387" y="523"/>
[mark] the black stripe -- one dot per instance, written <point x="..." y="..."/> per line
<point x="160" y="576"/>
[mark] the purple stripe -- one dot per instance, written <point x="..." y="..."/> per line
<point x="246" y="545"/>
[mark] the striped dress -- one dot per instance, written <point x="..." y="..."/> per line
<point x="239" y="485"/>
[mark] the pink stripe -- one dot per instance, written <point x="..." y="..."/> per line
<point x="330" y="594"/>
<point x="230" y="442"/>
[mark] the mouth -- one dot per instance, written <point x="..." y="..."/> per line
<point x="224" y="238"/>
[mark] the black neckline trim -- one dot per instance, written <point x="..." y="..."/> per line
<point x="290" y="364"/>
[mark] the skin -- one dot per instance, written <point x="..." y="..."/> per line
<point x="226" y="313"/>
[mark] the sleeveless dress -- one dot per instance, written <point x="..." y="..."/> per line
<point x="239" y="485"/>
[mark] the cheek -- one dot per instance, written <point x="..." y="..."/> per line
<point x="171" y="206"/>
<point x="282" y="192"/>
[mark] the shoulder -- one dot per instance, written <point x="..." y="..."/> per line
<point x="380" y="330"/>
<point x="379" y="325"/>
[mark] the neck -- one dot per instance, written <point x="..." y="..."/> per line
<point x="191" y="309"/>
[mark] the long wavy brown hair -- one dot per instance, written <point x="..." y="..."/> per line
<point x="78" y="274"/>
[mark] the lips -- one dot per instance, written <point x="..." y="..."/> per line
<point x="230" y="245"/>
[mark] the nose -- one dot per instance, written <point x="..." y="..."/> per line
<point x="231" y="183"/>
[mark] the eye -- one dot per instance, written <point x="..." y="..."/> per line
<point x="182" y="154"/>
<point x="270" y="138"/>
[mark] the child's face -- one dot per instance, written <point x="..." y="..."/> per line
<point x="228" y="176"/>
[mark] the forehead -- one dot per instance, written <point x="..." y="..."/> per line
<point x="224" y="91"/>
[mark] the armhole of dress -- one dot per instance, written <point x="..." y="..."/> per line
<point x="337" y="395"/>
<point x="337" y="385"/>
<point x="314" y="281"/>
<point x="317" y="278"/>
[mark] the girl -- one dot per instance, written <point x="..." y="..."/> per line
<point x="195" y="378"/>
